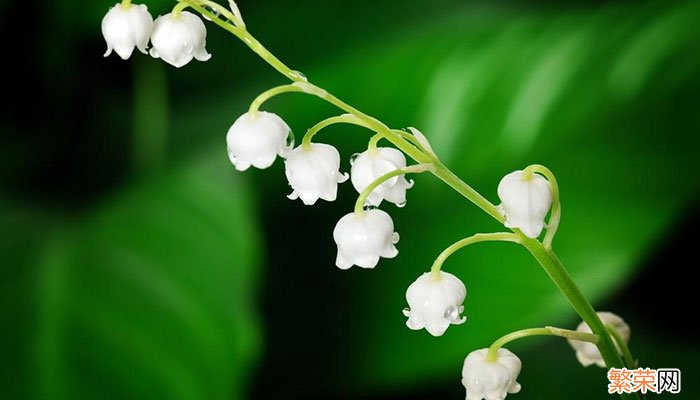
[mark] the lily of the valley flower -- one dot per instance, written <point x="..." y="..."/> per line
<point x="256" y="139"/>
<point x="435" y="302"/>
<point x="177" y="38"/>
<point x="312" y="172"/>
<point x="587" y="353"/>
<point x="491" y="380"/>
<point x="364" y="237"/>
<point x="525" y="202"/>
<point x="126" y="27"/>
<point x="374" y="163"/>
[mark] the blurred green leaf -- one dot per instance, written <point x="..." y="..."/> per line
<point x="22" y="229"/>
<point x="153" y="297"/>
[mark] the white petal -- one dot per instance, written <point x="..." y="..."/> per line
<point x="437" y="329"/>
<point x="371" y="165"/>
<point x="308" y="198"/>
<point x="342" y="262"/>
<point x="313" y="171"/>
<point x="414" y="323"/>
<point x="585" y="361"/>
<point x="367" y="261"/>
<point x="587" y="353"/>
<point x="525" y="203"/>
<point x="436" y="301"/>
<point x="294" y="195"/>
<point x="491" y="379"/>
<point x="363" y="238"/>
<point x="390" y="251"/>
<point x="256" y="139"/>
<point x="179" y="39"/>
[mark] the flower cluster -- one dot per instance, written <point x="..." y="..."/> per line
<point x="313" y="170"/>
<point x="176" y="37"/>
<point x="257" y="138"/>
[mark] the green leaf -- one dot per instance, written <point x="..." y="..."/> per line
<point x="153" y="296"/>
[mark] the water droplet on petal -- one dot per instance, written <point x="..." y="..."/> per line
<point x="401" y="205"/>
<point x="353" y="158"/>
<point x="451" y="313"/>
<point x="395" y="238"/>
<point x="232" y="157"/>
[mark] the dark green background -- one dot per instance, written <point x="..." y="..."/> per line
<point x="127" y="272"/>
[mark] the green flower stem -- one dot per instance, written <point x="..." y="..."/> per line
<point x="413" y="169"/>
<point x="410" y="138"/>
<point x="237" y="13"/>
<point x="372" y="146"/>
<point x="374" y="124"/>
<point x="268" y="94"/>
<point x="126" y="3"/>
<point x="339" y="119"/>
<point x="404" y="135"/>
<point x="545" y="256"/>
<point x="555" y="216"/>
<point x="492" y="355"/>
<point x="223" y="11"/>
<point x="479" y="237"/>
<point x="556" y="271"/>
<point x="447" y="176"/>
<point x="179" y="7"/>
<point x="249" y="40"/>
<point x="297" y="77"/>
<point x="626" y="353"/>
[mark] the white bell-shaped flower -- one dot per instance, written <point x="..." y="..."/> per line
<point x="587" y="353"/>
<point x="525" y="202"/>
<point x="491" y="380"/>
<point x="177" y="38"/>
<point x="372" y="164"/>
<point x="256" y="139"/>
<point x="126" y="27"/>
<point x="313" y="172"/>
<point x="363" y="238"/>
<point x="435" y="302"/>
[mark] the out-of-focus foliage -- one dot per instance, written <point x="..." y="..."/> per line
<point x="152" y="293"/>
<point x="152" y="297"/>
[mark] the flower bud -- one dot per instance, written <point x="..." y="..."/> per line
<point x="491" y="380"/>
<point x="178" y="38"/>
<point x="256" y="139"/>
<point x="587" y="353"/>
<point x="435" y="302"/>
<point x="372" y="164"/>
<point x="525" y="202"/>
<point x="126" y="27"/>
<point x="363" y="238"/>
<point x="313" y="172"/>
